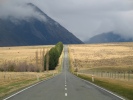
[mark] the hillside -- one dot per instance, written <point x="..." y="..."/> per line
<point x="15" y="32"/>
<point x="107" y="37"/>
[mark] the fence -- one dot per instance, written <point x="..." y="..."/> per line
<point x="10" y="76"/>
<point x="114" y="75"/>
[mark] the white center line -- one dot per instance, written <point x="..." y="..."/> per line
<point x="65" y="94"/>
<point x="65" y="85"/>
<point x="65" y="88"/>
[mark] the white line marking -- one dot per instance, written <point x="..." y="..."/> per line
<point x="65" y="85"/>
<point x="65" y="88"/>
<point x="66" y="94"/>
<point x="106" y="90"/>
<point x="65" y="76"/>
<point x="102" y="88"/>
<point x="28" y="88"/>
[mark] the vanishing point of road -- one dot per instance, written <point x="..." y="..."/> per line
<point x="64" y="86"/>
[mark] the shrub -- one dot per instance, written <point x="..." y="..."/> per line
<point x="53" y="56"/>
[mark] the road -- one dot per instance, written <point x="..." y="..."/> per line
<point x="64" y="86"/>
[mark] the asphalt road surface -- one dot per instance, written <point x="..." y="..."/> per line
<point x="64" y="86"/>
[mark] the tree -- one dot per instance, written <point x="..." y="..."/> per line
<point x="53" y="56"/>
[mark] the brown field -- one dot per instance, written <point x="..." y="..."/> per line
<point x="9" y="77"/>
<point x="108" y="60"/>
<point x="12" y="81"/>
<point x="110" y="64"/>
<point x="117" y="56"/>
<point x="23" y="55"/>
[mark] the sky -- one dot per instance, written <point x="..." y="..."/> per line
<point x="84" y="18"/>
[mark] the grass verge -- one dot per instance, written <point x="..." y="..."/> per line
<point x="116" y="87"/>
<point x="7" y="89"/>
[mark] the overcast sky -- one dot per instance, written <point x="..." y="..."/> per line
<point x="84" y="18"/>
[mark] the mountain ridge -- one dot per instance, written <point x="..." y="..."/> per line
<point x="107" y="38"/>
<point x="34" y="32"/>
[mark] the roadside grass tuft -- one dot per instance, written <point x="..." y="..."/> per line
<point x="125" y="91"/>
<point x="7" y="89"/>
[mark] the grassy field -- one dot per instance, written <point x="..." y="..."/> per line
<point x="119" y="87"/>
<point x="14" y="81"/>
<point x="111" y="64"/>
<point x="23" y="55"/>
<point x="117" y="56"/>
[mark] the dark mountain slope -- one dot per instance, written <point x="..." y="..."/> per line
<point x="108" y="37"/>
<point x="34" y="32"/>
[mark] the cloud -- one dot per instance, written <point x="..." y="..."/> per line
<point x="124" y="24"/>
<point x="18" y="10"/>
<point x="84" y="18"/>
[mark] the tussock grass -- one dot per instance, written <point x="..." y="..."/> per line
<point x="114" y="60"/>
<point x="21" y="54"/>
<point x="117" y="55"/>
<point x="13" y="81"/>
<point x="117" y="86"/>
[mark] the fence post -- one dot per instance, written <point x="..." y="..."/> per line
<point x="118" y="75"/>
<point x="123" y="75"/>
<point x="92" y="78"/>
<point x="37" y="77"/>
<point x="128" y="75"/>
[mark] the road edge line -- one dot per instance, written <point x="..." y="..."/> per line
<point x="29" y="87"/>
<point x="101" y="88"/>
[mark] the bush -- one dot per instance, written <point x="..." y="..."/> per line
<point x="54" y="55"/>
<point x="53" y="58"/>
<point x="59" y="47"/>
<point x="11" y="66"/>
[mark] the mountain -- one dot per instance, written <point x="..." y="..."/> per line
<point x="34" y="32"/>
<point x="108" y="37"/>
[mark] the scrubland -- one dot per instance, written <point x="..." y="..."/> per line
<point x="23" y="66"/>
<point x="13" y="81"/>
<point x="111" y="57"/>
<point x="110" y="64"/>
<point x="15" y="58"/>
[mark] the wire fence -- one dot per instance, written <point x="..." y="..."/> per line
<point x="10" y="76"/>
<point x="113" y="75"/>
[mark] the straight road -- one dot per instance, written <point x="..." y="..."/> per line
<point x="64" y="86"/>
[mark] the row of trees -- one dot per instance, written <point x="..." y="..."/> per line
<point x="12" y="66"/>
<point x="44" y="60"/>
<point x="52" y="57"/>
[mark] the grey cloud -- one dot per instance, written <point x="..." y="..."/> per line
<point x="85" y="18"/>
<point x="18" y="10"/>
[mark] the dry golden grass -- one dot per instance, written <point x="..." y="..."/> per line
<point x="21" y="54"/>
<point x="9" y="77"/>
<point x="120" y="82"/>
<point x="12" y="81"/>
<point x="114" y="59"/>
<point x="123" y="88"/>
<point x="111" y="64"/>
<point x="117" y="55"/>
